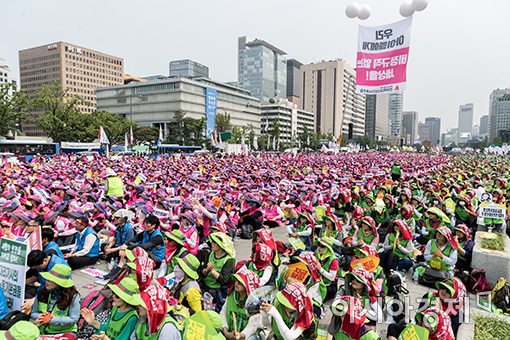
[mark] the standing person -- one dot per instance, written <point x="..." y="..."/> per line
<point x="396" y="172"/>
<point x="151" y="240"/>
<point x="123" y="320"/>
<point x="86" y="250"/>
<point x="57" y="306"/>
<point x="114" y="185"/>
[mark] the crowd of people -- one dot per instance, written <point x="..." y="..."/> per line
<point x="357" y="225"/>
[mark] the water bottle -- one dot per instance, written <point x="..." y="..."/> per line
<point x="208" y="301"/>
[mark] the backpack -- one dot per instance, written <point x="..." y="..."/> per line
<point x="431" y="276"/>
<point x="246" y="232"/>
<point x="500" y="295"/>
<point x="477" y="282"/>
<point x="99" y="301"/>
<point x="11" y="318"/>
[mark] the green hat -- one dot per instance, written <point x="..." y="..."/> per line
<point x="446" y="284"/>
<point x="224" y="241"/>
<point x="21" y="330"/>
<point x="60" y="274"/>
<point x="129" y="254"/>
<point x="189" y="264"/>
<point x="284" y="301"/>
<point x="176" y="236"/>
<point x="127" y="290"/>
<point x="431" y="320"/>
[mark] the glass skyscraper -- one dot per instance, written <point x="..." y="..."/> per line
<point x="262" y="69"/>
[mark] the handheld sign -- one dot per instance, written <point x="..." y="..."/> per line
<point x="370" y="263"/>
<point x="297" y="273"/>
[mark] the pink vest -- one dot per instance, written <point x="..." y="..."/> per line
<point x="192" y="249"/>
<point x="272" y="213"/>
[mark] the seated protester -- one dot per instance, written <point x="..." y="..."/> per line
<point x="123" y="319"/>
<point x="348" y="320"/>
<point x="406" y="215"/>
<point x="435" y="219"/>
<point x="464" y="212"/>
<point x="207" y="214"/>
<point x="31" y="227"/>
<point x="48" y="242"/>
<point x="436" y="322"/>
<point x="219" y="268"/>
<point x="291" y="207"/>
<point x="245" y="281"/>
<point x="367" y="234"/>
<point x="273" y="214"/>
<point x="343" y="203"/>
<point x="154" y="322"/>
<point x="124" y="231"/>
<point x="21" y="330"/>
<point x="441" y="252"/>
<point x="449" y="297"/>
<point x="331" y="228"/>
<point x="327" y="266"/>
<point x="465" y="251"/>
<point x="86" y="250"/>
<point x="253" y="215"/>
<point x="359" y="283"/>
<point x="398" y="248"/>
<point x="151" y="240"/>
<point x="303" y="228"/>
<point x="186" y="289"/>
<point x="174" y="249"/>
<point x="205" y="325"/>
<point x="377" y="274"/>
<point x="260" y="263"/>
<point x="57" y="306"/>
<point x="189" y="230"/>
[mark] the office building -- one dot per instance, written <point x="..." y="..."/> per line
<point x="262" y="69"/>
<point x="6" y="76"/>
<point x="434" y="124"/>
<point x="395" y="109"/>
<point x="377" y="124"/>
<point x="187" y="68"/>
<point x="294" y="81"/>
<point x="292" y="121"/>
<point x="155" y="102"/>
<point x="409" y="126"/>
<point x="423" y="132"/>
<point x="329" y="91"/>
<point x="465" y="118"/>
<point x="484" y="125"/>
<point x="499" y="115"/>
<point x="475" y="132"/>
<point x="78" y="69"/>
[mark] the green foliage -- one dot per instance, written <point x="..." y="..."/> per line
<point x="490" y="328"/>
<point x="145" y="134"/>
<point x="186" y="131"/>
<point x="223" y="122"/>
<point x="494" y="243"/>
<point x="13" y="107"/>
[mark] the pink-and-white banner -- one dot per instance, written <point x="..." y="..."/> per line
<point x="383" y="53"/>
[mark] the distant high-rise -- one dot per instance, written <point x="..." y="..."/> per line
<point x="6" y="76"/>
<point x="395" y="109"/>
<point x="377" y="124"/>
<point x="423" y="132"/>
<point x="465" y="118"/>
<point x="409" y="126"/>
<point x="262" y="69"/>
<point x="78" y="69"/>
<point x="499" y="115"/>
<point x="294" y="81"/>
<point x="329" y="91"/>
<point x="434" y="124"/>
<point x="188" y="69"/>
<point x="484" y="125"/>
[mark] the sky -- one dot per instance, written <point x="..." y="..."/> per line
<point x="459" y="53"/>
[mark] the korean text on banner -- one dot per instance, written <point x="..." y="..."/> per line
<point x="34" y="241"/>
<point x="382" y="57"/>
<point x="211" y="103"/>
<point x="13" y="260"/>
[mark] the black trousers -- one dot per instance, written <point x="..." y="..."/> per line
<point x="81" y="261"/>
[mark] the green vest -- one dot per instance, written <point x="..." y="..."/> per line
<point x="370" y="335"/>
<point x="115" y="187"/>
<point x="310" y="333"/>
<point x="55" y="329"/>
<point x="447" y="251"/>
<point x="329" y="232"/>
<point x="200" y="327"/>
<point x="395" y="170"/>
<point x="367" y="239"/>
<point x="459" y="255"/>
<point x="141" y="329"/>
<point x="326" y="266"/>
<point x="238" y="307"/>
<point x="254" y="269"/>
<point x="218" y="264"/>
<point x="115" y="326"/>
<point x="397" y="250"/>
<point x="170" y="266"/>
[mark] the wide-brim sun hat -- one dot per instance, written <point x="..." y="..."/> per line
<point x="21" y="330"/>
<point x="176" y="236"/>
<point x="60" y="274"/>
<point x="224" y="242"/>
<point x="190" y="265"/>
<point x="284" y="301"/>
<point x="127" y="290"/>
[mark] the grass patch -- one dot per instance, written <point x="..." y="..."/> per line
<point x="495" y="243"/>
<point x="487" y="328"/>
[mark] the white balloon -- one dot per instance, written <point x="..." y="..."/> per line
<point x="364" y="12"/>
<point x="406" y="9"/>
<point x="420" y="5"/>
<point x="352" y="10"/>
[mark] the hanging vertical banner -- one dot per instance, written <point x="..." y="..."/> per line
<point x="382" y="57"/>
<point x="211" y="102"/>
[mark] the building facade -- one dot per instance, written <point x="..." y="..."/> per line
<point x="499" y="115"/>
<point x="155" y="103"/>
<point x="329" y="91"/>
<point x="262" y="69"/>
<point x="78" y="69"/>
<point x="377" y="124"/>
<point x="423" y="132"/>
<point x="291" y="120"/>
<point x="294" y="81"/>
<point x="6" y="76"/>
<point x="409" y="126"/>
<point x="434" y="124"/>
<point x="465" y="118"/>
<point x="484" y="125"/>
<point x="395" y="110"/>
<point x="188" y="69"/>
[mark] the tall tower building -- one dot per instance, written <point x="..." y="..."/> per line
<point x="377" y="124"/>
<point x="434" y="124"/>
<point x="499" y="115"/>
<point x="78" y="69"/>
<point x="329" y="91"/>
<point x="484" y="125"/>
<point x="6" y="76"/>
<point x="188" y="69"/>
<point x="395" y="109"/>
<point x="409" y="126"/>
<point x="465" y="118"/>
<point x="294" y="81"/>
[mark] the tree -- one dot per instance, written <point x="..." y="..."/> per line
<point x="14" y="105"/>
<point x="145" y="134"/>
<point x="186" y="130"/>
<point x="223" y="122"/>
